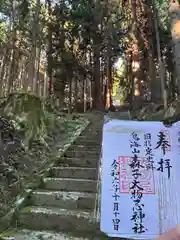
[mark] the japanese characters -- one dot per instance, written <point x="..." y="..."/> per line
<point x="163" y="144"/>
<point x="116" y="192"/>
<point x="178" y="140"/>
<point x="139" y="175"/>
<point x="136" y="189"/>
<point x="148" y="151"/>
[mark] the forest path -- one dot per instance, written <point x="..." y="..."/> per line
<point x="63" y="206"/>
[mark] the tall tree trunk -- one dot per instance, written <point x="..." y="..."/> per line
<point x="21" y="71"/>
<point x="97" y="93"/>
<point x="70" y="95"/>
<point x="11" y="74"/>
<point x="45" y="85"/>
<point x="174" y="12"/>
<point x="136" y="68"/>
<point x="129" y="78"/>
<point x="109" y="80"/>
<point x="75" y="95"/>
<point x="37" y="66"/>
<point x="5" y="54"/>
<point x="150" y="50"/>
<point x="35" y="47"/>
<point x="91" y="78"/>
<point x="97" y="88"/>
<point x="161" y="65"/>
<point x="85" y="94"/>
<point x="49" y="53"/>
<point x="2" y="72"/>
<point x="90" y="94"/>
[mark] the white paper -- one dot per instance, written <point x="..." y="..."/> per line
<point x="159" y="194"/>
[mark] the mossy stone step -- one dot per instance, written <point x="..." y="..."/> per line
<point x="41" y="218"/>
<point x="25" y="234"/>
<point x="87" y="147"/>
<point x="96" y="142"/>
<point x="78" y="162"/>
<point x="74" y="172"/>
<point x="82" y="154"/>
<point x="70" y="184"/>
<point x="66" y="200"/>
<point x="90" y="137"/>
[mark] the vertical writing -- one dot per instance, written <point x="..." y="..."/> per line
<point x="116" y="194"/>
<point x="178" y="140"/>
<point x="148" y="151"/>
<point x="164" y="145"/>
<point x="136" y="189"/>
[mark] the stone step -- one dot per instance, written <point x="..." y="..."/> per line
<point x="79" y="162"/>
<point x="87" y="147"/>
<point x="56" y="219"/>
<point x="91" y="136"/>
<point x="93" y="130"/>
<point x="70" y="184"/>
<point x="26" y="234"/>
<point x="82" y="154"/>
<point x="88" y="141"/>
<point x="66" y="200"/>
<point x="74" y="172"/>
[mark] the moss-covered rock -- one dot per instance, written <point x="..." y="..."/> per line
<point x="41" y="135"/>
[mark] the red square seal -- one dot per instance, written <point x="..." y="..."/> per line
<point x="125" y="176"/>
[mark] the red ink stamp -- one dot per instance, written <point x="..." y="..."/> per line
<point x="125" y="176"/>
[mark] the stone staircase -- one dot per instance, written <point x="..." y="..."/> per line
<point x="65" y="201"/>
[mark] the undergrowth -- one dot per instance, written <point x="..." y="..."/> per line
<point x="31" y="134"/>
<point x="156" y="112"/>
<point x="28" y="115"/>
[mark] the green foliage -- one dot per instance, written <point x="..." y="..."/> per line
<point x="2" y="31"/>
<point x="164" y="24"/>
<point x="120" y="88"/>
<point x="162" y="10"/>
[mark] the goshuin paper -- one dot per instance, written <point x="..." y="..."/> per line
<point x="140" y="173"/>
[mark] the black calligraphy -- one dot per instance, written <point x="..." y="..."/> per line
<point x="136" y="189"/>
<point x="163" y="142"/>
<point x="116" y="194"/>
<point x="164" y="145"/>
<point x="148" y="151"/>
<point x="178" y="140"/>
<point x="164" y="164"/>
<point x="178" y="134"/>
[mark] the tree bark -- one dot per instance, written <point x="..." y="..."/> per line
<point x="109" y="80"/>
<point x="155" y="95"/>
<point x="161" y="65"/>
<point x="49" y="53"/>
<point x="97" y="93"/>
<point x="35" y="47"/>
<point x="136" y="68"/>
<point x="174" y="12"/>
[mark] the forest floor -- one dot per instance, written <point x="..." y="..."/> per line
<point x="24" y="165"/>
